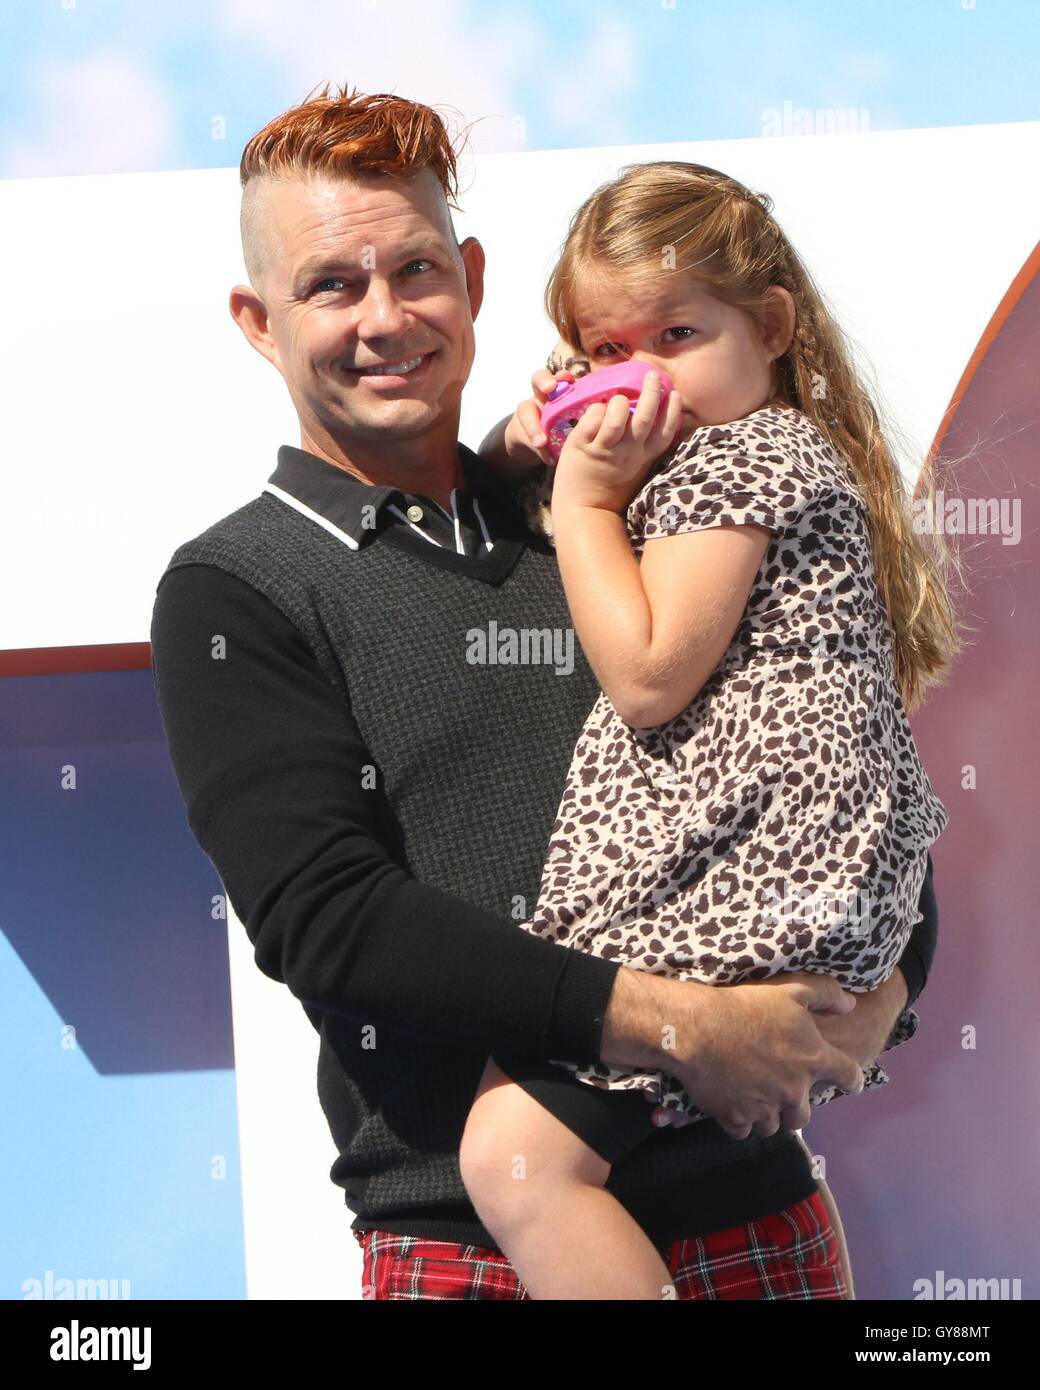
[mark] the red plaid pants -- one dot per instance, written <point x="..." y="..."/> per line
<point x="791" y="1254"/>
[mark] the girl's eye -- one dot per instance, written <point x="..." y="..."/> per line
<point x="614" y="349"/>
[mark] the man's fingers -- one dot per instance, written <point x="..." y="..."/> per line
<point x="796" y="1116"/>
<point x="839" y="1068"/>
<point x="820" y="993"/>
<point x="734" y="1131"/>
<point x="765" y="1129"/>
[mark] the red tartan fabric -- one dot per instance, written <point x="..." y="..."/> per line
<point x="792" y="1254"/>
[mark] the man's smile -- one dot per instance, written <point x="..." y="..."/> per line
<point x="393" y="373"/>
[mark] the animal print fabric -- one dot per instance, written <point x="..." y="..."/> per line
<point x="780" y="822"/>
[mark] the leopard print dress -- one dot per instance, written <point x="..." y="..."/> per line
<point x="781" y="821"/>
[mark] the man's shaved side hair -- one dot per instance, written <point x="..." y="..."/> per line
<point x="348" y="135"/>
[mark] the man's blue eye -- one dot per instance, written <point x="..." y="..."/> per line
<point x="335" y="279"/>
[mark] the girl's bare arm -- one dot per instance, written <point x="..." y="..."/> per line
<point x="654" y="630"/>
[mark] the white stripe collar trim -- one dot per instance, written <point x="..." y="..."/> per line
<point x="312" y="515"/>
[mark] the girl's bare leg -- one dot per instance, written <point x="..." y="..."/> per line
<point x="540" y="1191"/>
<point x="839" y="1230"/>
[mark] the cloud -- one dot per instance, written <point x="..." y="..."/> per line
<point x="587" y="98"/>
<point x="448" y="54"/>
<point x="102" y="112"/>
<point x="855" y="78"/>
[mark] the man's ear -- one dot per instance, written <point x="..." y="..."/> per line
<point x="473" y="259"/>
<point x="778" y="321"/>
<point x="250" y="313"/>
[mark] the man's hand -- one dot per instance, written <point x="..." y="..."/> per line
<point x="861" y="1033"/>
<point x="864" y="1032"/>
<point x="747" y="1055"/>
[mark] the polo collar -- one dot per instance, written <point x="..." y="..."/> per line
<point x="351" y="509"/>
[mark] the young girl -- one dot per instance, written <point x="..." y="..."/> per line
<point x="746" y="797"/>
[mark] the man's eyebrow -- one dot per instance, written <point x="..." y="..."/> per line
<point x="333" y="260"/>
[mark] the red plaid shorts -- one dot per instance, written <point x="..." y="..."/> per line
<point x="791" y="1254"/>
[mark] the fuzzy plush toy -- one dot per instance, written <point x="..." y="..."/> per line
<point x="535" y="496"/>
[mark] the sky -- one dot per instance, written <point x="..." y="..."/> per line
<point x="131" y="86"/>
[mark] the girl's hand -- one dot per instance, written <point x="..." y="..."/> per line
<point x="662" y="1115"/>
<point x="524" y="441"/>
<point x="608" y="453"/>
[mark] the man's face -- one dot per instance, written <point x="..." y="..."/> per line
<point x="367" y="275"/>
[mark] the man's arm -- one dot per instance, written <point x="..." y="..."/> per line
<point x="514" y="469"/>
<point x="917" y="957"/>
<point x="873" y="1025"/>
<point x="516" y="466"/>
<point x="885" y="1006"/>
<point x="271" y="764"/>
<point x="862" y="1034"/>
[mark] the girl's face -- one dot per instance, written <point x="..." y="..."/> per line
<point x="718" y="360"/>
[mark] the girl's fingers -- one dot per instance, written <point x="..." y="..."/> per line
<point x="662" y="1115"/>
<point x="587" y="428"/>
<point x="614" y="422"/>
<point x="647" y="406"/>
<point x="545" y="382"/>
<point x="652" y="425"/>
<point x="667" y="427"/>
<point x="530" y="416"/>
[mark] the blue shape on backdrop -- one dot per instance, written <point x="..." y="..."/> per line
<point x="119" y="1148"/>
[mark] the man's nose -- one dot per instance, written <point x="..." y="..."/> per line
<point x="381" y="314"/>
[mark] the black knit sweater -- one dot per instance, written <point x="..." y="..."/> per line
<point x="378" y="808"/>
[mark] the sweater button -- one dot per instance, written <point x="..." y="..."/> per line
<point x="414" y="513"/>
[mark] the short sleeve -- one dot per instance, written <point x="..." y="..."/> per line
<point x="754" y="471"/>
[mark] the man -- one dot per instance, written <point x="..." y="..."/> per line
<point x="377" y="797"/>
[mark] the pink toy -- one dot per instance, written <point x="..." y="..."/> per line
<point x="571" y="399"/>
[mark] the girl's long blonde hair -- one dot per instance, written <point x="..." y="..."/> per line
<point x="671" y="217"/>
